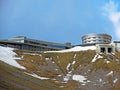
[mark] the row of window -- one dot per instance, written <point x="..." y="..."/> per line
<point x="107" y="38"/>
<point x="35" y="43"/>
<point x="97" y="41"/>
<point x="42" y="44"/>
<point x="106" y="50"/>
<point x="36" y="48"/>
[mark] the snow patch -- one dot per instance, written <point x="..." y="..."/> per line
<point x="110" y="73"/>
<point x="73" y="62"/>
<point x="107" y="62"/>
<point x="67" y="77"/>
<point x="8" y="56"/>
<point x="100" y="80"/>
<point x="74" y="49"/>
<point x="79" y="78"/>
<point x="36" y="76"/>
<point x="97" y="56"/>
<point x="34" y="54"/>
<point x="47" y="59"/>
<point x="114" y="81"/>
<point x="59" y="75"/>
<point x="67" y="68"/>
<point x="74" y="56"/>
<point x="70" y="72"/>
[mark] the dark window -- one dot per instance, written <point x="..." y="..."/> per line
<point x="103" y="50"/>
<point x="109" y="50"/>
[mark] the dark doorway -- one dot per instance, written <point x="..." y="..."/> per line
<point x="109" y="50"/>
<point x="103" y="50"/>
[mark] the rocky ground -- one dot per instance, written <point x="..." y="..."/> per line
<point x="81" y="70"/>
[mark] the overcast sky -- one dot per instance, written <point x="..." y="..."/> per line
<point x="59" y="20"/>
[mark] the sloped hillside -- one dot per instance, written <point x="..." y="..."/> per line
<point x="14" y="79"/>
<point x="79" y="68"/>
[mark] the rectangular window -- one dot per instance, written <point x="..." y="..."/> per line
<point x="110" y="50"/>
<point x="102" y="50"/>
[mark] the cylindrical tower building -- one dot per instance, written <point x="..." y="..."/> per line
<point x="96" y="39"/>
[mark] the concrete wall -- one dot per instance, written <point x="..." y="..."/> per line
<point x="116" y="45"/>
<point x="96" y="39"/>
<point x="105" y="48"/>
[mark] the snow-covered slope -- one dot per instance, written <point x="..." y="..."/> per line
<point x="8" y="56"/>
<point x="77" y="48"/>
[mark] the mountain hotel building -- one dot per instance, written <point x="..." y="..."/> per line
<point x="25" y="43"/>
